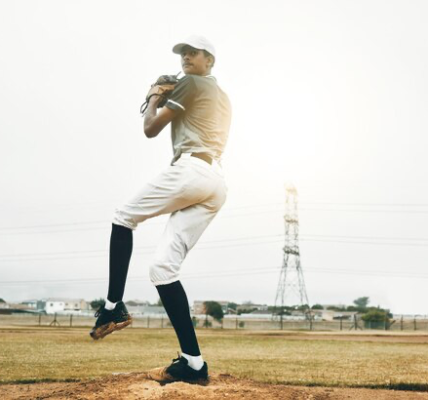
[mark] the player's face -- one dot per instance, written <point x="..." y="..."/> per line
<point x="195" y="62"/>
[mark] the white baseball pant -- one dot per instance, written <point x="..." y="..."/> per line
<point x="192" y="191"/>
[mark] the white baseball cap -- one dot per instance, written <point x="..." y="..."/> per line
<point x="197" y="42"/>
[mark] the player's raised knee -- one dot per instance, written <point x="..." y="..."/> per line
<point x="124" y="218"/>
<point x="162" y="274"/>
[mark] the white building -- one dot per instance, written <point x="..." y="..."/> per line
<point x="65" y="306"/>
<point x="332" y="315"/>
<point x="32" y="304"/>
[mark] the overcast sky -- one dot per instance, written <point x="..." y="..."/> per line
<point x="328" y="95"/>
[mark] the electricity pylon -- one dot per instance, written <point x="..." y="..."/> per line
<point x="291" y="285"/>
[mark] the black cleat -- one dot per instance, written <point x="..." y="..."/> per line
<point x="110" y="321"/>
<point x="179" y="370"/>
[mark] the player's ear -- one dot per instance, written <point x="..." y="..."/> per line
<point x="210" y="61"/>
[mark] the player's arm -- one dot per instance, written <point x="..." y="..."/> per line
<point x="155" y="121"/>
<point x="180" y="99"/>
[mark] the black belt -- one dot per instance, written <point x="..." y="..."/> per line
<point x="203" y="156"/>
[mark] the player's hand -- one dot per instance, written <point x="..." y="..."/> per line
<point x="159" y="90"/>
<point x="153" y="98"/>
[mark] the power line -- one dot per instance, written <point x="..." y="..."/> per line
<point x="113" y="204"/>
<point x="214" y="273"/>
<point x="71" y="257"/>
<point x="65" y="224"/>
<point x="220" y="243"/>
<point x="369" y="243"/>
<point x="230" y="273"/>
<point x="11" y="228"/>
<point x="366" y="211"/>
<point x="366" y="204"/>
<point x="107" y="222"/>
<point x="366" y="237"/>
<point x="77" y="255"/>
<point x="103" y="222"/>
<point x="139" y="247"/>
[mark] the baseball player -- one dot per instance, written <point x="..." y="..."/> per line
<point x="192" y="190"/>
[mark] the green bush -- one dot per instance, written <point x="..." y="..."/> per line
<point x="97" y="303"/>
<point x="376" y="316"/>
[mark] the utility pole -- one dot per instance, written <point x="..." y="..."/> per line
<point x="291" y="285"/>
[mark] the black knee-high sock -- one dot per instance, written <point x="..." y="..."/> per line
<point x="120" y="255"/>
<point x="174" y="300"/>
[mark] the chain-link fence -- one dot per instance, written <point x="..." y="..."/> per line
<point x="235" y="322"/>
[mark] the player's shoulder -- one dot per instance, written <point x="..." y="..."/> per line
<point x="206" y="84"/>
<point x="199" y="80"/>
<point x="202" y="84"/>
<point x="186" y="80"/>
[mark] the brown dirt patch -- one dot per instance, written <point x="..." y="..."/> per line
<point x="136" y="386"/>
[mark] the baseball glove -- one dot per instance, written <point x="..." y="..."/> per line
<point x="163" y="87"/>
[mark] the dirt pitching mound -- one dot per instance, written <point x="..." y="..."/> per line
<point x="136" y="386"/>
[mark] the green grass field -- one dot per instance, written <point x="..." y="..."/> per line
<point x="50" y="354"/>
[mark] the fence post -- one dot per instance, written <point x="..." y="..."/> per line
<point x="148" y="321"/>
<point x="40" y="319"/>
<point x="340" y="322"/>
<point x="162" y="322"/>
<point x="282" y="323"/>
<point x="55" y="322"/>
<point x="401" y="323"/>
<point x="236" y="322"/>
<point x="71" y="320"/>
<point x="414" y="323"/>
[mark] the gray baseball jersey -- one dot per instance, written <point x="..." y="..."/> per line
<point x="204" y="120"/>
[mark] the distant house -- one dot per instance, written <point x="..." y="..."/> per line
<point x="30" y="303"/>
<point x="13" y="308"/>
<point x="61" y="305"/>
<point x="33" y="304"/>
<point x="332" y="315"/>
